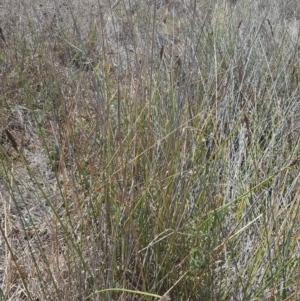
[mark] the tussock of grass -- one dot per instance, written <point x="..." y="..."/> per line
<point x="149" y="149"/>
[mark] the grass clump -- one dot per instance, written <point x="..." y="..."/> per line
<point x="149" y="155"/>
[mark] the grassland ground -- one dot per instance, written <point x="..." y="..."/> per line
<point x="149" y="150"/>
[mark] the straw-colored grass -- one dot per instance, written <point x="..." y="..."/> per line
<point x="149" y="150"/>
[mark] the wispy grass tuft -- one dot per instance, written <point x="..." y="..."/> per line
<point x="149" y="150"/>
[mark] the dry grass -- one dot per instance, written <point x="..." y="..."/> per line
<point x="149" y="149"/>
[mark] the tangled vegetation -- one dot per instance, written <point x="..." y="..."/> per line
<point x="149" y="150"/>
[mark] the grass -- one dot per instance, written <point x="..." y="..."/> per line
<point x="149" y="150"/>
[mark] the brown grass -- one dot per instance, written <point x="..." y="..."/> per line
<point x="150" y="148"/>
